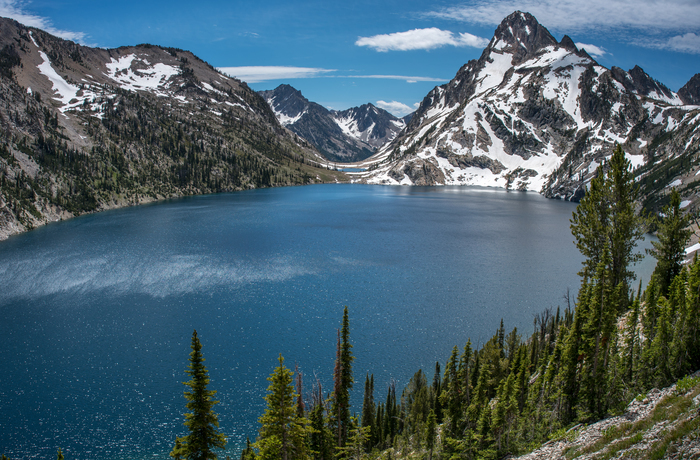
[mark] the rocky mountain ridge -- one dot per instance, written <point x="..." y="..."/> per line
<point x="341" y="136"/>
<point x="534" y="113"/>
<point x="85" y="129"/>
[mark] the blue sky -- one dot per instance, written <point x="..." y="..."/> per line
<point x="388" y="52"/>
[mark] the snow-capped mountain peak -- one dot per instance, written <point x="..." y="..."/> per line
<point x="531" y="113"/>
<point x="342" y="136"/>
<point x="521" y="36"/>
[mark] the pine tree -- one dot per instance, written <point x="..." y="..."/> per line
<point x="430" y="433"/>
<point x="357" y="439"/>
<point x="437" y="390"/>
<point x="321" y="436"/>
<point x="626" y="226"/>
<point x="673" y="236"/>
<point x="463" y="376"/>
<point x="343" y="382"/>
<point x="300" y="391"/>
<point x="504" y="415"/>
<point x="368" y="409"/>
<point x="59" y="454"/>
<point x="605" y="219"/>
<point x="692" y="316"/>
<point x="283" y="433"/>
<point x="450" y="392"/>
<point x="248" y="453"/>
<point x="597" y="331"/>
<point x="201" y="421"/>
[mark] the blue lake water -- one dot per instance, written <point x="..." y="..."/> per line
<point x="98" y="312"/>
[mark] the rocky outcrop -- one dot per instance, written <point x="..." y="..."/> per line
<point x="419" y="172"/>
<point x="646" y="426"/>
<point x="690" y="92"/>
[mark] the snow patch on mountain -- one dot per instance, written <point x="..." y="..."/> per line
<point x="286" y="120"/>
<point x="71" y="96"/>
<point x="65" y="90"/>
<point x="134" y="74"/>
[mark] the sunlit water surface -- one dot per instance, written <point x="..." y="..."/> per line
<point x="98" y="312"/>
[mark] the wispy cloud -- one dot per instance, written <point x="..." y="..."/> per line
<point x="420" y="39"/>
<point x="687" y="43"/>
<point x="570" y="15"/>
<point x="648" y="18"/>
<point x="15" y="9"/>
<point x="399" y="109"/>
<point x="407" y="79"/>
<point x="257" y="74"/>
<point x="595" y="51"/>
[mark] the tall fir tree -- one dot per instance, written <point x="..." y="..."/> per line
<point x="431" y="433"/>
<point x="437" y="391"/>
<point x="627" y="227"/>
<point x="673" y="236"/>
<point x="283" y="433"/>
<point x="321" y="437"/>
<point x="605" y="219"/>
<point x="368" y="410"/>
<point x="357" y="439"/>
<point x="450" y="397"/>
<point x="343" y="382"/>
<point x="202" y="422"/>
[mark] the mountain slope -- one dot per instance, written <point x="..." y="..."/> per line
<point x="661" y="424"/>
<point x="341" y="136"/>
<point x="85" y="129"/>
<point x="531" y="113"/>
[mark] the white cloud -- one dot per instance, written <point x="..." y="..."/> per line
<point x="14" y="9"/>
<point x="398" y="77"/>
<point x="575" y="15"/>
<point x="671" y="24"/>
<point x="420" y="39"/>
<point x="396" y="108"/>
<point x="595" y="51"/>
<point x="257" y="74"/>
<point x="688" y="43"/>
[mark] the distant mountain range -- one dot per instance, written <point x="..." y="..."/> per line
<point x="85" y="129"/>
<point x="534" y="113"/>
<point x="341" y="136"/>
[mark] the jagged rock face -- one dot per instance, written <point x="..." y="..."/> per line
<point x="543" y="113"/>
<point x="370" y="124"/>
<point x="690" y="92"/>
<point x="341" y="136"/>
<point x="637" y="81"/>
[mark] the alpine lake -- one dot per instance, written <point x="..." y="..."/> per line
<point x="97" y="312"/>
